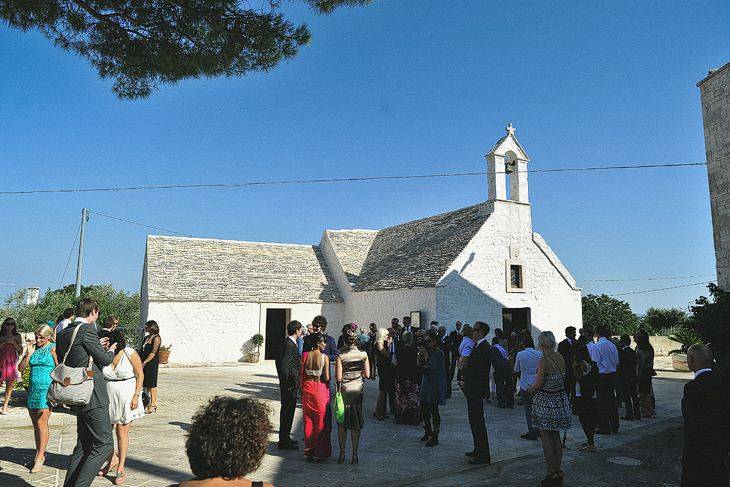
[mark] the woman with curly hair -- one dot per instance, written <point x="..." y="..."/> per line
<point x="351" y="368"/>
<point x="226" y="442"/>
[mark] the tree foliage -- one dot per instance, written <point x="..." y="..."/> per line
<point x="661" y="321"/>
<point x="613" y="313"/>
<point x="711" y="320"/>
<point x="122" y="304"/>
<point x="144" y="43"/>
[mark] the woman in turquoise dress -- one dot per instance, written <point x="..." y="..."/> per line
<point x="41" y="356"/>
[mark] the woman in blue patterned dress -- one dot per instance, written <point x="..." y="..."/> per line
<point x="551" y="411"/>
<point x="41" y="356"/>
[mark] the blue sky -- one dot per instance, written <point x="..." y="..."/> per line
<point x="395" y="88"/>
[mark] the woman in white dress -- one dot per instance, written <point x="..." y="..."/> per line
<point x="124" y="378"/>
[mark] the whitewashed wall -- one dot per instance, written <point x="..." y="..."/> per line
<point x="206" y="332"/>
<point x="474" y="286"/>
<point x="365" y="307"/>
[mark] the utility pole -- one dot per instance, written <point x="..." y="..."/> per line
<point x="80" y="263"/>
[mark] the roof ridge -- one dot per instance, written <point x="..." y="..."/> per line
<point x="231" y="241"/>
<point x="435" y="216"/>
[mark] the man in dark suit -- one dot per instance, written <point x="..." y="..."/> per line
<point x="502" y="374"/>
<point x="476" y="389"/>
<point x="628" y="379"/>
<point x="706" y="432"/>
<point x="288" y="368"/>
<point x="565" y="348"/>
<point x="94" y="442"/>
<point x="455" y="338"/>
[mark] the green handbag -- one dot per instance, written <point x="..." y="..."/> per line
<point x="338" y="407"/>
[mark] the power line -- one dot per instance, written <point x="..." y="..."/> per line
<point x="659" y="289"/>
<point x="628" y="279"/>
<point x="131" y="222"/>
<point x="334" y="180"/>
<point x="73" y="246"/>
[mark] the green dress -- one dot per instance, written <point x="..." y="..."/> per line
<point x="41" y="365"/>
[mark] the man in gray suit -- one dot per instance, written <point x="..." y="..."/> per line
<point x="94" y="443"/>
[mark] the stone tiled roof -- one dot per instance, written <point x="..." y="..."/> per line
<point x="416" y="254"/>
<point x="194" y="269"/>
<point x="351" y="248"/>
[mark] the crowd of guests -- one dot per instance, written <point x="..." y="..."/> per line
<point x="589" y="374"/>
<point x="119" y="374"/>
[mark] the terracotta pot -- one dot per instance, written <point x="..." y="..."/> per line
<point x="679" y="362"/>
<point x="164" y="356"/>
<point x="251" y="357"/>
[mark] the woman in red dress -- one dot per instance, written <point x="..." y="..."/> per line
<point x="315" y="401"/>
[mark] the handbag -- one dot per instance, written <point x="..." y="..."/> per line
<point x="338" y="406"/>
<point x="70" y="386"/>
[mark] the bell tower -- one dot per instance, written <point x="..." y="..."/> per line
<point x="507" y="169"/>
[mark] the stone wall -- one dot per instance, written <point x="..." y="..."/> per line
<point x="715" y="94"/>
<point x="211" y="332"/>
<point x="365" y="307"/>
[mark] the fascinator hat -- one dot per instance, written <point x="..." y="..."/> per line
<point x="350" y="330"/>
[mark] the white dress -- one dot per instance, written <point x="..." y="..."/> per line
<point x="120" y="387"/>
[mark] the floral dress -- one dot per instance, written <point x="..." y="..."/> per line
<point x="41" y="365"/>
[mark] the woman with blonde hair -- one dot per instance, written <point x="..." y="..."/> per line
<point x="385" y="372"/>
<point x="551" y="410"/>
<point x="41" y="357"/>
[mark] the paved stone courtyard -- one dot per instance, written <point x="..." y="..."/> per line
<point x="390" y="454"/>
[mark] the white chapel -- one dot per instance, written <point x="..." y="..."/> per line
<point x="483" y="262"/>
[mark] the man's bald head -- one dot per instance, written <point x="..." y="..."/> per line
<point x="699" y="357"/>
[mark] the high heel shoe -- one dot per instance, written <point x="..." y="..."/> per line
<point x="377" y="417"/>
<point x="341" y="458"/>
<point x="354" y="460"/>
<point x="152" y="409"/>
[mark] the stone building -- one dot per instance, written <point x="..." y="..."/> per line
<point x="715" y="95"/>
<point x="482" y="262"/>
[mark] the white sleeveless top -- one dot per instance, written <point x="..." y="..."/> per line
<point x="123" y="370"/>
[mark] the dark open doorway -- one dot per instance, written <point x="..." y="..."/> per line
<point x="276" y="320"/>
<point x="516" y="320"/>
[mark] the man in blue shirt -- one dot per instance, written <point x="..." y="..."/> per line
<point x="607" y="354"/>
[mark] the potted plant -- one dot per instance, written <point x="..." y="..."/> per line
<point x="687" y="338"/>
<point x="164" y="353"/>
<point x="253" y="356"/>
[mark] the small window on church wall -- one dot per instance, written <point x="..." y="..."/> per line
<point x="515" y="276"/>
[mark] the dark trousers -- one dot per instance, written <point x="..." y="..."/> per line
<point x="286" y="415"/>
<point x="630" y="398"/>
<point x="607" y="405"/>
<point x="527" y="404"/>
<point x="451" y="371"/>
<point x="708" y="471"/>
<point x="431" y="418"/>
<point x="94" y="444"/>
<point x="500" y="387"/>
<point x="586" y="408"/>
<point x="475" y="407"/>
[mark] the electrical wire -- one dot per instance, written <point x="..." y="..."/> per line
<point x="131" y="222"/>
<point x="334" y="180"/>
<point x="658" y="289"/>
<point x="73" y="246"/>
<point x="628" y="279"/>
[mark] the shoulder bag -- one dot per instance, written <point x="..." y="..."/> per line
<point x="70" y="386"/>
<point x="338" y="406"/>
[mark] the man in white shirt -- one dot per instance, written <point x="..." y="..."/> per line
<point x="605" y="354"/>
<point x="526" y="364"/>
